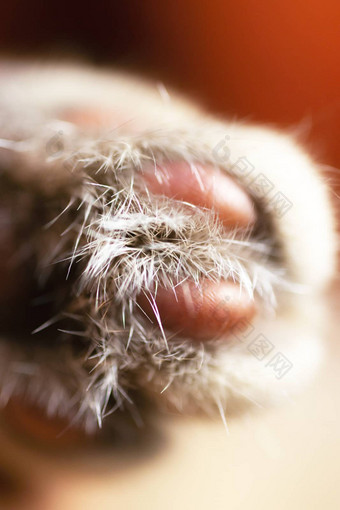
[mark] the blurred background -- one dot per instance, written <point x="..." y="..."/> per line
<point x="269" y="61"/>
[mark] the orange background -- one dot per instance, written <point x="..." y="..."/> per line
<point x="263" y="60"/>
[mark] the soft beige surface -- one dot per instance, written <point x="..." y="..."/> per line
<point x="276" y="459"/>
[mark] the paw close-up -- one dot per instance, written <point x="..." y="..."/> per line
<point x="152" y="253"/>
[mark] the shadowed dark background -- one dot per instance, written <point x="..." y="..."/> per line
<point x="275" y="62"/>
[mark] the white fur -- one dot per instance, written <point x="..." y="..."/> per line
<point x="98" y="169"/>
